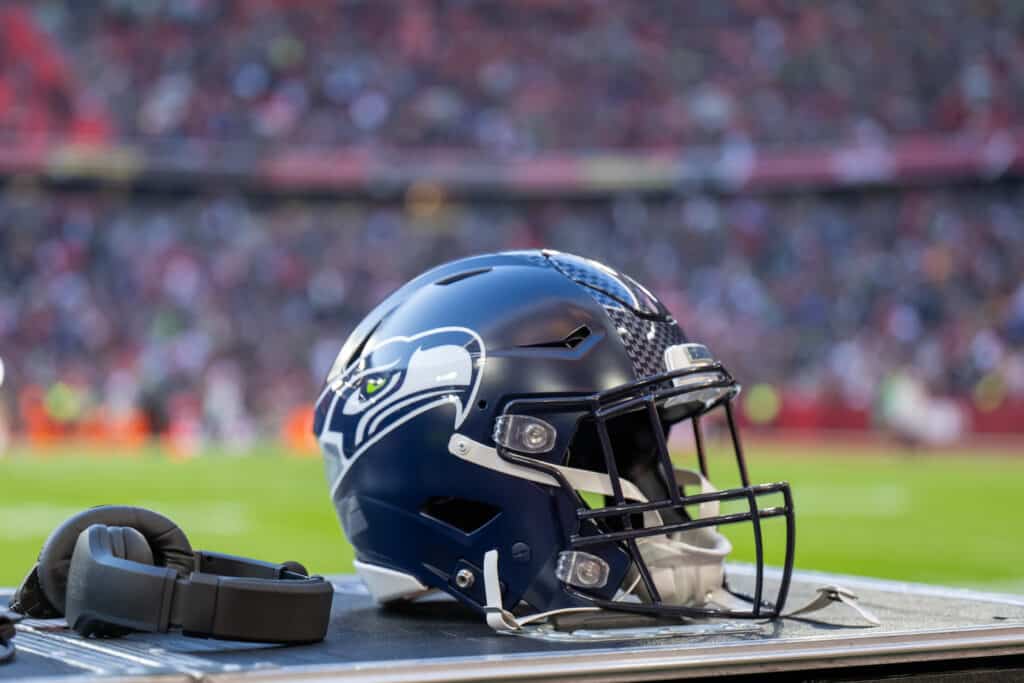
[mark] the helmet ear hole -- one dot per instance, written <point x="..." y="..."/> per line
<point x="632" y="442"/>
<point x="585" y="448"/>
<point x="634" y="449"/>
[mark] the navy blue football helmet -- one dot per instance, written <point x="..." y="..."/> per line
<point x="496" y="429"/>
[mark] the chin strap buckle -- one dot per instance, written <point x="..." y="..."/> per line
<point x="498" y="618"/>
<point x="832" y="593"/>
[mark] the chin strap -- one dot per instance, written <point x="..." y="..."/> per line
<point x="499" y="618"/>
<point x="830" y="594"/>
<point x="7" y="621"/>
<point x="826" y="596"/>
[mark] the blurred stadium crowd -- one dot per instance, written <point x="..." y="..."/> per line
<point x="220" y="314"/>
<point x="495" y="75"/>
<point x="216" y="314"/>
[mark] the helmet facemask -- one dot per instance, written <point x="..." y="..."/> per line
<point x="675" y="555"/>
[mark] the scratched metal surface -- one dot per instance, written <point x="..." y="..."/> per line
<point x="443" y="641"/>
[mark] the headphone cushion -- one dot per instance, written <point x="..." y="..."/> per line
<point x="128" y="544"/>
<point x="168" y="546"/>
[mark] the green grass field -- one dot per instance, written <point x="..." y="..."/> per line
<point x="952" y="519"/>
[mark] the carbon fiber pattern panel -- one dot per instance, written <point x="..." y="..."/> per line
<point x="595" y="279"/>
<point x="645" y="340"/>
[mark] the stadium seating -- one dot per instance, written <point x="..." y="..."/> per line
<point x="649" y="115"/>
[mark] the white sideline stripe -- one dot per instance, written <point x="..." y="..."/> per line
<point x="845" y="501"/>
<point x="874" y="583"/>
<point x="32" y="520"/>
<point x="1002" y="586"/>
<point x="24" y="521"/>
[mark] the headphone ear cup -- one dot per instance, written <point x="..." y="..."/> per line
<point x="166" y="543"/>
<point x="129" y="544"/>
<point x="83" y="599"/>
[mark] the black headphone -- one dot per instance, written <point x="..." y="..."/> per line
<point x="114" y="569"/>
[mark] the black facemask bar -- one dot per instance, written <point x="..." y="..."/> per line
<point x="647" y="395"/>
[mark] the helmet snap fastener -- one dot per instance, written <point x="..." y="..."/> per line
<point x="464" y="579"/>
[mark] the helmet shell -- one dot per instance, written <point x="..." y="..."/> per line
<point x="446" y="353"/>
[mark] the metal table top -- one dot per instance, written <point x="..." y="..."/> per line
<point x="442" y="641"/>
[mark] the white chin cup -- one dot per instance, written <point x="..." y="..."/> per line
<point x="688" y="567"/>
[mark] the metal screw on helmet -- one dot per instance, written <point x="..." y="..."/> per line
<point x="464" y="578"/>
<point x="534" y="436"/>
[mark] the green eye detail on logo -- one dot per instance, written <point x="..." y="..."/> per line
<point x="374" y="384"/>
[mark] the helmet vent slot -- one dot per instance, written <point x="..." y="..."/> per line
<point x="464" y="275"/>
<point x="465" y="515"/>
<point x="358" y="351"/>
<point x="570" y="341"/>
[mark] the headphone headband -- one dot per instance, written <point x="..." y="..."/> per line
<point x="238" y="598"/>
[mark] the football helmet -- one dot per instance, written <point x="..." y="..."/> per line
<point x="497" y="429"/>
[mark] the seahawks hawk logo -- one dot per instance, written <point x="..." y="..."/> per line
<point x="391" y="383"/>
